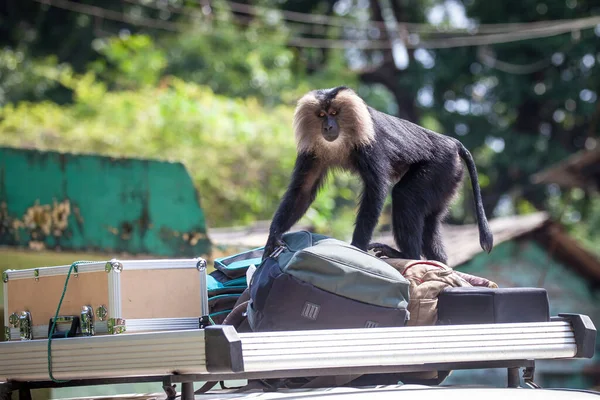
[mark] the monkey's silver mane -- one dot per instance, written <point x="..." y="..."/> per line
<point x="356" y="125"/>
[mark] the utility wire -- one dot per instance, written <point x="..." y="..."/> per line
<point x="245" y="19"/>
<point x="111" y="15"/>
<point x="450" y="42"/>
<point x="525" y="34"/>
<point x="489" y="60"/>
<point x="457" y="41"/>
<point x="300" y="17"/>
<point x="412" y="26"/>
<point x="306" y="18"/>
<point x="487" y="57"/>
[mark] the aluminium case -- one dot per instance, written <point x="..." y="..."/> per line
<point x="121" y="296"/>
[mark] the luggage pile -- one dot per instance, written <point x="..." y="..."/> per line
<point x="318" y="282"/>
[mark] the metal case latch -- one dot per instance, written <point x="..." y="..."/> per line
<point x="25" y="326"/>
<point x="87" y="321"/>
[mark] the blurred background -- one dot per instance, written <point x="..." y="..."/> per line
<point x="163" y="128"/>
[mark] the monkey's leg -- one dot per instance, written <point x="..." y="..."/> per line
<point x="371" y="205"/>
<point x="409" y="207"/>
<point x="433" y="246"/>
<point x="306" y="180"/>
<point x="446" y="175"/>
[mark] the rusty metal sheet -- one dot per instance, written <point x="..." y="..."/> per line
<point x="89" y="202"/>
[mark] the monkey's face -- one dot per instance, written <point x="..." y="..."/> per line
<point x="331" y="121"/>
<point x="329" y="127"/>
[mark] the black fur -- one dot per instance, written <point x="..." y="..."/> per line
<point x="430" y="171"/>
<point x="327" y="95"/>
<point x="296" y="200"/>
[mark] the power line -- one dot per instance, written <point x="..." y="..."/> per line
<point x="300" y="17"/>
<point x="457" y="41"/>
<point x="246" y="19"/>
<point x="525" y="34"/>
<point x="412" y="26"/>
<point x="449" y="42"/>
<point x="111" y="15"/>
<point x="518" y="69"/>
<point x="318" y="19"/>
<point x="486" y="56"/>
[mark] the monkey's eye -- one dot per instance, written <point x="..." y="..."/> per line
<point x="334" y="112"/>
<point x="321" y="114"/>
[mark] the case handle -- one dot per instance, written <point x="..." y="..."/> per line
<point x="64" y="319"/>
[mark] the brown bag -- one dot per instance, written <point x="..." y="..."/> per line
<point x="427" y="279"/>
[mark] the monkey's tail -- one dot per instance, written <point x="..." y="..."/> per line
<point x="486" y="239"/>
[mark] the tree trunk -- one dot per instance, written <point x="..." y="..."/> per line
<point x="388" y="75"/>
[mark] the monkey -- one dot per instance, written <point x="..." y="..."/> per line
<point x="336" y="129"/>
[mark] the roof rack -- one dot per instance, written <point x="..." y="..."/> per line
<point x="219" y="353"/>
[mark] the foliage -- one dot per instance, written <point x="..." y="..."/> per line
<point x="129" y="61"/>
<point x="231" y="61"/>
<point x="239" y="153"/>
<point x="23" y="78"/>
<point x="221" y="56"/>
<point x="579" y="213"/>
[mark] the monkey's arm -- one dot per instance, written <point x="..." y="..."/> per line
<point x="307" y="177"/>
<point x="375" y="179"/>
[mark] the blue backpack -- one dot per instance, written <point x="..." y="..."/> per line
<point x="228" y="281"/>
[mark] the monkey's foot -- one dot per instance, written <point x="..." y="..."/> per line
<point x="383" y="250"/>
<point x="270" y="247"/>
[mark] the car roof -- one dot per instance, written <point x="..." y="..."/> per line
<point x="395" y="392"/>
<point x="413" y="392"/>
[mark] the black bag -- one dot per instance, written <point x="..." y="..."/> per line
<point x="479" y="305"/>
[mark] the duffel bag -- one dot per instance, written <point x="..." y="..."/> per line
<point x="318" y="282"/>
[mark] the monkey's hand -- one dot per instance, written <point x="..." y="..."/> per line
<point x="272" y="243"/>
<point x="383" y="250"/>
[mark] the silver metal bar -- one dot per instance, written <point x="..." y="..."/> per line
<point x="161" y="324"/>
<point x="418" y="331"/>
<point x="160" y="264"/>
<point x="54" y="270"/>
<point x="6" y="317"/>
<point x="406" y="346"/>
<point x="101" y="266"/>
<point x="135" y="354"/>
<point x="201" y="265"/>
<point x="114" y="294"/>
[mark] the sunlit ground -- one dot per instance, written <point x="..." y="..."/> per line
<point x="20" y="259"/>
